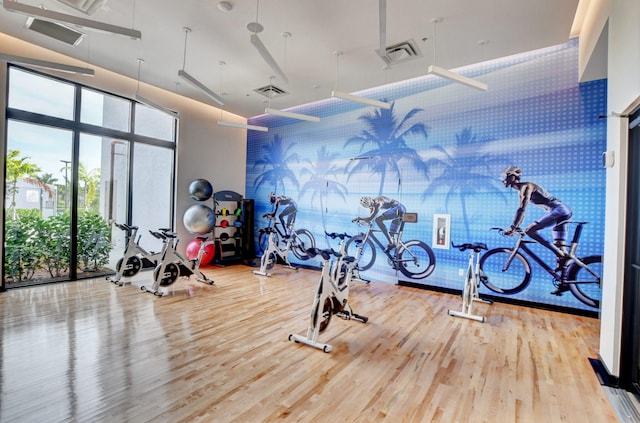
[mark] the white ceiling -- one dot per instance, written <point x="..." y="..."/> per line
<point x="471" y="31"/>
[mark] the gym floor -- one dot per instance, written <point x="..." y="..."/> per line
<point x="94" y="351"/>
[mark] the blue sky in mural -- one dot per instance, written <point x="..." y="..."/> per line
<point x="441" y="150"/>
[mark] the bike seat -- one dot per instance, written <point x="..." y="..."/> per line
<point x="348" y="259"/>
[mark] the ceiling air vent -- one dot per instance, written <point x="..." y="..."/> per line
<point x="55" y="30"/>
<point x="271" y="91"/>
<point x="85" y="6"/>
<point x="401" y="52"/>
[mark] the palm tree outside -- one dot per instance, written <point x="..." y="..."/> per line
<point x="20" y="168"/>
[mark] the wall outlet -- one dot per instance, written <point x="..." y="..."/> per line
<point x="460" y="272"/>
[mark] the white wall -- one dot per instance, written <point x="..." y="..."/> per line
<point x="205" y="150"/>
<point x="623" y="94"/>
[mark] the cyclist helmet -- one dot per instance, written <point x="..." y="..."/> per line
<point x="511" y="175"/>
<point x="366" y="202"/>
<point x="272" y="197"/>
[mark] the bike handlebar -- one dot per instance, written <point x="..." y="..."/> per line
<point x="361" y="221"/>
<point x="326" y="254"/>
<point x="475" y="247"/>
<point x="516" y="231"/>
<point x="334" y="235"/>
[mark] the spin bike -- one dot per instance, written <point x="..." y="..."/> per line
<point x="173" y="264"/>
<point x="471" y="283"/>
<point x="273" y="252"/>
<point x="135" y="258"/>
<point x="332" y="296"/>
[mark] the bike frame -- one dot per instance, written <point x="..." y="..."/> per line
<point x="273" y="248"/>
<point x="170" y="256"/>
<point x="131" y="249"/>
<point x="521" y="245"/>
<point x="470" y="292"/>
<point x="330" y="293"/>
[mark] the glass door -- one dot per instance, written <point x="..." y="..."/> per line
<point x="38" y="196"/>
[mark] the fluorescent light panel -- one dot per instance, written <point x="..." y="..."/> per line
<point x="358" y="99"/>
<point x="190" y="79"/>
<point x="150" y="103"/>
<point x="291" y="115"/>
<point x="243" y="126"/>
<point x="437" y="70"/>
<point x="255" y="40"/>
<point x="46" y="64"/>
<point x="13" y="6"/>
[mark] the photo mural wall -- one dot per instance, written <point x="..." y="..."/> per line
<point x="440" y="151"/>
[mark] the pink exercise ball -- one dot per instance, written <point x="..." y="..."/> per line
<point x="194" y="247"/>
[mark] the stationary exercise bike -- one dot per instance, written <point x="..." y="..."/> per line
<point x="332" y="296"/>
<point x="471" y="283"/>
<point x="173" y="264"/>
<point x="273" y="252"/>
<point x="135" y="258"/>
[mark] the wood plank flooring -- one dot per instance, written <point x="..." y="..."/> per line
<point x="90" y="351"/>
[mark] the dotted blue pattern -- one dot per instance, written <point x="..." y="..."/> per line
<point x="535" y="115"/>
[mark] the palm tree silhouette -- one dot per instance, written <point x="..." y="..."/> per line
<point x="319" y="182"/>
<point x="275" y="165"/>
<point x="466" y="171"/>
<point x="386" y="133"/>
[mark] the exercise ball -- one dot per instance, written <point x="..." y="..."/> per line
<point x="200" y="190"/>
<point x="199" y="219"/>
<point x="193" y="248"/>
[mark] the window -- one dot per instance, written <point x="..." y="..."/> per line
<point x="47" y="187"/>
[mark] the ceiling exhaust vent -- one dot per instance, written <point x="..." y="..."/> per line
<point x="401" y="52"/>
<point x="85" y="6"/>
<point x="55" y="30"/>
<point x="271" y="91"/>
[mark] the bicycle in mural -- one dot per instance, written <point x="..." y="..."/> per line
<point x="415" y="259"/>
<point x="298" y="242"/>
<point x="507" y="270"/>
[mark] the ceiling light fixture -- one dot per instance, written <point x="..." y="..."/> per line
<point x="256" y="27"/>
<point x="13" y="6"/>
<point x="452" y="76"/>
<point x="221" y="122"/>
<point x="148" y="102"/>
<point x="243" y="126"/>
<point x="282" y="113"/>
<point x="190" y="79"/>
<point x="291" y="115"/>
<point x="355" y="98"/>
<point x="46" y="64"/>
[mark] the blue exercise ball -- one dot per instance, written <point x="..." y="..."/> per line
<point x="199" y="219"/>
<point x="200" y="189"/>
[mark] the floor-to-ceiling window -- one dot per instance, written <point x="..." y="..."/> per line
<point x="78" y="160"/>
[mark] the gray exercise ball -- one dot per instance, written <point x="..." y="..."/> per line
<point x="199" y="219"/>
<point x="200" y="189"/>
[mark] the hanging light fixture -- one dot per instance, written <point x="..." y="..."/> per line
<point x="255" y="28"/>
<point x="444" y="73"/>
<point x="148" y="102"/>
<point x="283" y="113"/>
<point x="46" y="64"/>
<point x="355" y="98"/>
<point x="221" y="122"/>
<point x="13" y="6"/>
<point x="190" y="79"/>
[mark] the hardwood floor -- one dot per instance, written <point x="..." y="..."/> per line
<point x="90" y="351"/>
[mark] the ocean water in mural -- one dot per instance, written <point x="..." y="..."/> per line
<point x="440" y="151"/>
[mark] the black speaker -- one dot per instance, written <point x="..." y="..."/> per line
<point x="248" y="232"/>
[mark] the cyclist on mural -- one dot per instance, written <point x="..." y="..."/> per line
<point x="556" y="215"/>
<point x="393" y="210"/>
<point x="289" y="211"/>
